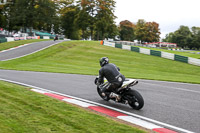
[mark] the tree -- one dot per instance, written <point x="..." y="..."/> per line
<point x="85" y="20"/>
<point x="37" y="14"/>
<point x="169" y="38"/>
<point x="22" y="14"/>
<point x="68" y="22"/>
<point x="196" y="37"/>
<point x="2" y="17"/>
<point x="183" y="37"/>
<point x="104" y="17"/>
<point x="152" y="32"/>
<point x="147" y="31"/>
<point x="46" y="17"/>
<point x="127" y="30"/>
<point x="140" y="30"/>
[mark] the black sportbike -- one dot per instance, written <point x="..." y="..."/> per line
<point x="124" y="94"/>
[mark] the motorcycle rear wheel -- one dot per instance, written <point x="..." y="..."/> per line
<point x="106" y="98"/>
<point x="135" y="100"/>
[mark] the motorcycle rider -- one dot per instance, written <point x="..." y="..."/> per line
<point x="111" y="73"/>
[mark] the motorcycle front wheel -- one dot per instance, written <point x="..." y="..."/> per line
<point x="135" y="100"/>
<point x="106" y="98"/>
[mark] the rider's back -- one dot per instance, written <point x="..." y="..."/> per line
<point x="110" y="71"/>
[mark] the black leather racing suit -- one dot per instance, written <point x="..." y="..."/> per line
<point x="111" y="73"/>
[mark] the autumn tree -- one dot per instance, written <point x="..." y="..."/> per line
<point x="97" y="17"/>
<point x="152" y="32"/>
<point x="104" y="18"/>
<point x="126" y="30"/>
<point x="147" y="31"/>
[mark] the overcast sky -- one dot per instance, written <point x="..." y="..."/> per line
<point x="170" y="14"/>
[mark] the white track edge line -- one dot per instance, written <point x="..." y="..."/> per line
<point x="23" y="45"/>
<point x="32" y="52"/>
<point x="139" y="122"/>
<point x="128" y="113"/>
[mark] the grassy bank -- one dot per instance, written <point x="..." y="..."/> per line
<point x="7" y="45"/>
<point x="22" y="111"/>
<point x="82" y="57"/>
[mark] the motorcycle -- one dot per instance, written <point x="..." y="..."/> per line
<point x="124" y="94"/>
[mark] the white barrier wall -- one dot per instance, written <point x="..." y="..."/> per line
<point x="46" y="37"/>
<point x="194" y="61"/>
<point x="145" y="51"/>
<point x="127" y="47"/>
<point x="167" y="55"/>
<point x="10" y="39"/>
<point x="109" y="44"/>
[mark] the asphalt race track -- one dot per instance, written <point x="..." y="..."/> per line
<point x="177" y="104"/>
<point x="26" y="49"/>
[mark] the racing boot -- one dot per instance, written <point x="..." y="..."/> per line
<point x="116" y="96"/>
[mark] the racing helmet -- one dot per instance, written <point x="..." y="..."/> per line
<point x="103" y="61"/>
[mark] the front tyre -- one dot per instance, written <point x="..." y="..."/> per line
<point x="106" y="97"/>
<point x="135" y="100"/>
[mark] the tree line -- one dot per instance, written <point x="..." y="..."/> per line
<point x="185" y="37"/>
<point x="76" y="19"/>
<point x="142" y="31"/>
<point x="87" y="19"/>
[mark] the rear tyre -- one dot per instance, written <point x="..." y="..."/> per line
<point x="135" y="100"/>
<point x="106" y="97"/>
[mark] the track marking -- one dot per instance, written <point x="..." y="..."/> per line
<point x="161" y="130"/>
<point x="31" y="52"/>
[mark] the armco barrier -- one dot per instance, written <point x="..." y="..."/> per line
<point x="162" y="54"/>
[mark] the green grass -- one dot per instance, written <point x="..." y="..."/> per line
<point x="82" y="57"/>
<point x="7" y="45"/>
<point x="185" y="53"/>
<point x="24" y="111"/>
